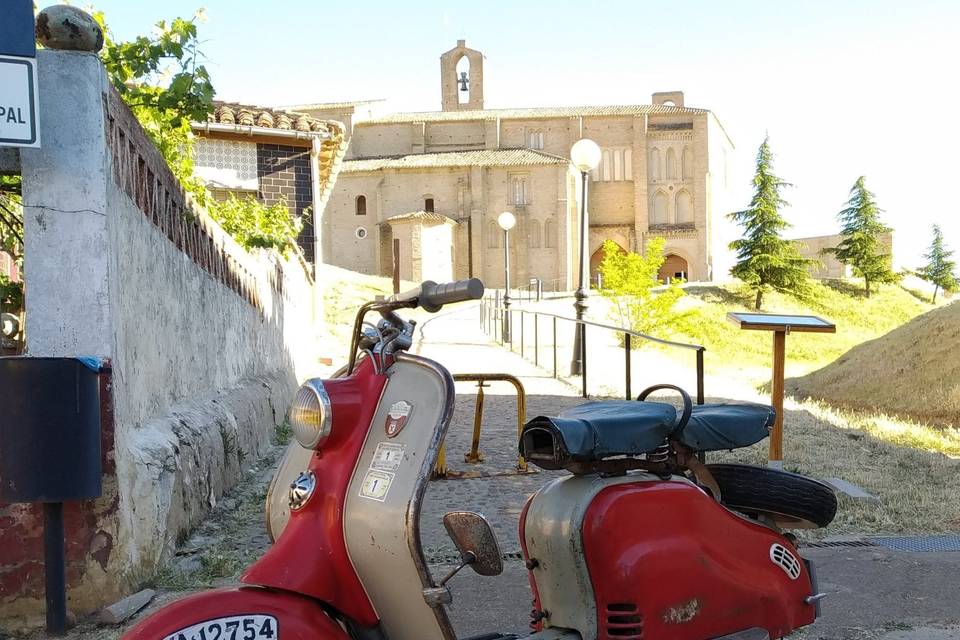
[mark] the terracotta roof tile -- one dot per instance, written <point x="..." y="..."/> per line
<point x="421" y="216"/>
<point x="535" y="112"/>
<point x="254" y="116"/>
<point x="479" y="158"/>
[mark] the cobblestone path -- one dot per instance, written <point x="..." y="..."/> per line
<point x="455" y="340"/>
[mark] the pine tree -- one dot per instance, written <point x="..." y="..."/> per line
<point x="861" y="247"/>
<point x="766" y="261"/>
<point x="940" y="269"/>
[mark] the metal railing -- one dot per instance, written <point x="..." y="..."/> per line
<point x="533" y="290"/>
<point x="492" y="320"/>
<point x="441" y="470"/>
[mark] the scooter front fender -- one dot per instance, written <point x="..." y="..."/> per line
<point x="235" y="613"/>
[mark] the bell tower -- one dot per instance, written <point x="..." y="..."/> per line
<point x="461" y="78"/>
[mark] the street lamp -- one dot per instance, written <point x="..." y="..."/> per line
<point x="585" y="155"/>
<point x="506" y="220"/>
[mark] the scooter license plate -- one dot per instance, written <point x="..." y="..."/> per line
<point x="248" y="627"/>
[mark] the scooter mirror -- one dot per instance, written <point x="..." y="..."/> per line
<point x="475" y="541"/>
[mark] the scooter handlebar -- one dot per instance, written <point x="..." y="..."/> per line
<point x="432" y="296"/>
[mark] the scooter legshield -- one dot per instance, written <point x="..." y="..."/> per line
<point x="240" y="613"/>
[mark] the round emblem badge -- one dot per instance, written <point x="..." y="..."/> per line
<point x="397" y="417"/>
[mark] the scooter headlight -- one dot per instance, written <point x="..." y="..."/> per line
<point x="311" y="415"/>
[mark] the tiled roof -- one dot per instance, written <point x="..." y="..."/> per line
<point x="321" y="106"/>
<point x="253" y="116"/>
<point x="422" y="216"/>
<point x="480" y="158"/>
<point x="333" y="145"/>
<point x="535" y="112"/>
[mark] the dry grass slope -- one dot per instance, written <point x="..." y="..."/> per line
<point x="913" y="371"/>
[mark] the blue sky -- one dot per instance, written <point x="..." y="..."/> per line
<point x="844" y="88"/>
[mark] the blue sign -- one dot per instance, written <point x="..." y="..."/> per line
<point x="17" y="37"/>
<point x="18" y="76"/>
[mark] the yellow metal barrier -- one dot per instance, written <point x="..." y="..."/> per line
<point x="474" y="456"/>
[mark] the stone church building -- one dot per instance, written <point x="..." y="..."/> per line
<point x="436" y="182"/>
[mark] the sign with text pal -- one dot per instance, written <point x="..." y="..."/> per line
<point x="18" y="102"/>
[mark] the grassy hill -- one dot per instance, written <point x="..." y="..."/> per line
<point x="344" y="291"/>
<point x="702" y="319"/>
<point x="912" y="371"/>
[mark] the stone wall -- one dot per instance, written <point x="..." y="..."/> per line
<point x="207" y="341"/>
<point x="829" y="267"/>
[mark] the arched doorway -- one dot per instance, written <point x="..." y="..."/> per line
<point x="595" y="261"/>
<point x="673" y="267"/>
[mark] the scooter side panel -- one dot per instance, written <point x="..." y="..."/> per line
<point x="667" y="562"/>
<point x="551" y="536"/>
<point x="382" y="506"/>
<point x="381" y="523"/>
<point x="243" y="612"/>
<point x="311" y="556"/>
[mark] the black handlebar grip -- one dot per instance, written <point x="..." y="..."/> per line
<point x="433" y="296"/>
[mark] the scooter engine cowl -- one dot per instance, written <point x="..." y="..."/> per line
<point x="634" y="556"/>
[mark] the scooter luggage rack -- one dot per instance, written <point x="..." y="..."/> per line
<point x="443" y="471"/>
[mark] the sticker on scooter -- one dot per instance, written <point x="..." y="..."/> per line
<point x="376" y="485"/>
<point x="388" y="456"/>
<point x="249" y="627"/>
<point x="397" y="417"/>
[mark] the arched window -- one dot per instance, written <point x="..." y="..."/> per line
<point x="656" y="168"/>
<point x="549" y="234"/>
<point x="606" y="166"/>
<point x="671" y="164"/>
<point x="361" y="205"/>
<point x="661" y="205"/>
<point x="428" y="205"/>
<point x="493" y="235"/>
<point x="533" y="234"/>
<point x="687" y="161"/>
<point x="684" y="207"/>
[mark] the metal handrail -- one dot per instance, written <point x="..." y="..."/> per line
<point x="635" y="334"/>
<point x="497" y="311"/>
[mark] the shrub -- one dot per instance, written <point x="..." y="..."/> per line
<point x="629" y="280"/>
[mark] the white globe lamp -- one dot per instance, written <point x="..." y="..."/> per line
<point x="585" y="155"/>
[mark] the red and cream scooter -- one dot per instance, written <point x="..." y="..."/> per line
<point x="640" y="540"/>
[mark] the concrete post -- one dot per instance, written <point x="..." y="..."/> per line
<point x="66" y="242"/>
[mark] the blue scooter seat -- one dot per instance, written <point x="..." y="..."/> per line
<point x="594" y="431"/>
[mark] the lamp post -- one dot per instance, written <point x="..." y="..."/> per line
<point x="585" y="155"/>
<point x="506" y="220"/>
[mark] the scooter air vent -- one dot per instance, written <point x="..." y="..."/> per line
<point x="782" y="557"/>
<point x="624" y="622"/>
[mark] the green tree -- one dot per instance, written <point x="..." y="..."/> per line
<point x="766" y="261"/>
<point x="628" y="282"/>
<point x="940" y="269"/>
<point x="861" y="247"/>
<point x="11" y="241"/>
<point x="256" y="226"/>
<point x="162" y="81"/>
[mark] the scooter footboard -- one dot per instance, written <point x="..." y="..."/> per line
<point x="239" y="613"/>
